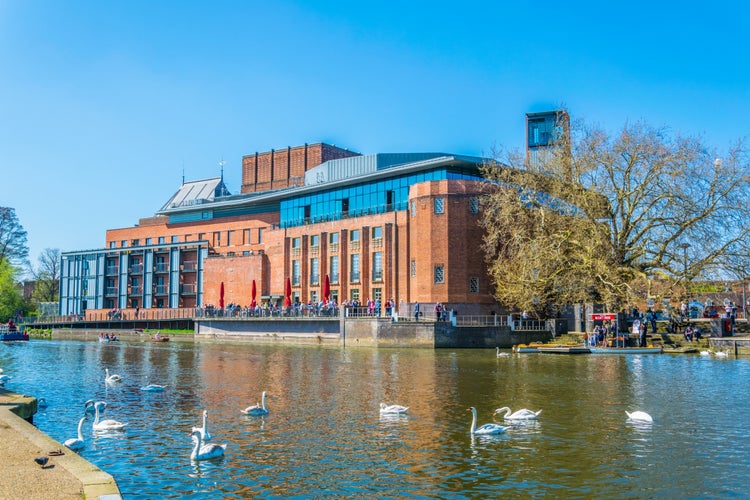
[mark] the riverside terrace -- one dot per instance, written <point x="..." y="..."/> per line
<point x="348" y="326"/>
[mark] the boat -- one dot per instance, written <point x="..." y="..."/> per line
<point x="10" y="332"/>
<point x="108" y="338"/>
<point x="564" y="349"/>
<point x="527" y="348"/>
<point x="626" y="350"/>
<point x="159" y="338"/>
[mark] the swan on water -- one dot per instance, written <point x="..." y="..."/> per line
<point x="486" y="428"/>
<point x="502" y="354"/>
<point x="721" y="354"/>
<point x="106" y="425"/>
<point x="88" y="406"/>
<point x="76" y="444"/>
<point x="392" y="409"/>
<point x="639" y="416"/>
<point x="153" y="387"/>
<point x="203" y="430"/>
<point x="111" y="379"/>
<point x="257" y="409"/>
<point x="522" y="414"/>
<point x="205" y="451"/>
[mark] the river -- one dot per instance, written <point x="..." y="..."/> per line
<point x="324" y="437"/>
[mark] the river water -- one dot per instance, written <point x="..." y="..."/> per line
<point x="324" y="435"/>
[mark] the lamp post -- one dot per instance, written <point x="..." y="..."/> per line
<point x="684" y="247"/>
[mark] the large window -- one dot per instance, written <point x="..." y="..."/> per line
<point x="439" y="205"/>
<point x="439" y="274"/>
<point x="314" y="271"/>
<point x="334" y="269"/>
<point x="377" y="266"/>
<point x="354" y="268"/>
<point x="473" y="205"/>
<point x="295" y="272"/>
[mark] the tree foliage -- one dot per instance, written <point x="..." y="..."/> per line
<point x="11" y="300"/>
<point x="47" y="275"/>
<point x="13" y="246"/>
<point x="600" y="211"/>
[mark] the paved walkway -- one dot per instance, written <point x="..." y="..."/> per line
<point x="66" y="476"/>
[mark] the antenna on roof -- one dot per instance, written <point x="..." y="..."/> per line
<point x="221" y="164"/>
<point x="183" y="172"/>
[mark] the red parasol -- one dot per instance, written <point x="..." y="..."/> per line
<point x="326" y="289"/>
<point x="253" y="293"/>
<point x="221" y="296"/>
<point x="288" y="293"/>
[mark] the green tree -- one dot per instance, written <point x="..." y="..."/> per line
<point x="11" y="300"/>
<point x="598" y="212"/>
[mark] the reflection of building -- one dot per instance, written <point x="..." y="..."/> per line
<point x="381" y="226"/>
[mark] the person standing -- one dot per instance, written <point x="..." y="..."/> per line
<point x="642" y="337"/>
<point x="416" y="311"/>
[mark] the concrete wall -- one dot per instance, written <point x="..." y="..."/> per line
<point x="287" y="331"/>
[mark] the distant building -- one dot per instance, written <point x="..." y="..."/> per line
<point x="544" y="131"/>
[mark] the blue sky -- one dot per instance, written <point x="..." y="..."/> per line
<point x="103" y="104"/>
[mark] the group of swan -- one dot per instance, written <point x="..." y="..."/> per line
<point x="202" y="450"/>
<point x="257" y="409"/>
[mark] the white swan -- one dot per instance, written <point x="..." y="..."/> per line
<point x="153" y="387"/>
<point x="76" y="444"/>
<point x="486" y="428"/>
<point x="257" y="409"/>
<point x="522" y="414"/>
<point x="721" y="354"/>
<point x="639" y="416"/>
<point x="106" y="425"/>
<point x="111" y="379"/>
<point x="205" y="451"/>
<point x="89" y="406"/>
<point x="203" y="430"/>
<point x="502" y="354"/>
<point x="392" y="409"/>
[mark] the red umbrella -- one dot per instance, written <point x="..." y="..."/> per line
<point x="288" y="293"/>
<point x="253" y="293"/>
<point x="326" y="289"/>
<point x="221" y="296"/>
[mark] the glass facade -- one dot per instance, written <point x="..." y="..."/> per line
<point x="362" y="199"/>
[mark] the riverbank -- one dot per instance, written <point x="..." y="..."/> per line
<point x="66" y="476"/>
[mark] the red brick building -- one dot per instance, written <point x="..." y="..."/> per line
<point x="382" y="226"/>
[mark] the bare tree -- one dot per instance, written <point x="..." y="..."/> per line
<point x="47" y="275"/>
<point x="13" y="243"/>
<point x="672" y="207"/>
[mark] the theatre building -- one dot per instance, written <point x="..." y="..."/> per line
<point x="379" y="226"/>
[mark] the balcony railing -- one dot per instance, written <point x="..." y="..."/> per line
<point x="161" y="267"/>
<point x="161" y="290"/>
<point x="333" y="248"/>
<point x="187" y="288"/>
<point x="111" y="270"/>
<point x="377" y="242"/>
<point x="190" y="265"/>
<point x="110" y="291"/>
<point x="136" y="269"/>
<point x="136" y="290"/>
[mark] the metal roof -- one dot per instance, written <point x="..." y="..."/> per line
<point x="196" y="193"/>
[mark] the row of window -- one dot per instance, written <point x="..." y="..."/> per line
<point x="217" y="238"/>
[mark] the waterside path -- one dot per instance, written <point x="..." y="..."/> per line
<point x="66" y="476"/>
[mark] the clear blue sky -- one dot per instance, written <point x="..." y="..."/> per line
<point x="104" y="103"/>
